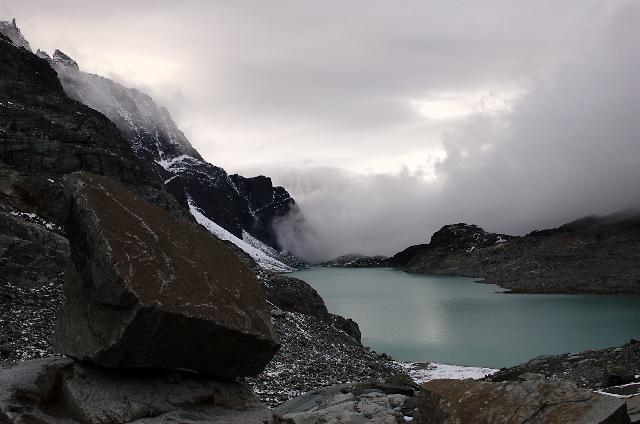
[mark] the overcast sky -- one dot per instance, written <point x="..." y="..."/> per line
<point x="386" y="120"/>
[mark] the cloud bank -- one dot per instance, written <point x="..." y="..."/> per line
<point x="385" y="120"/>
<point x="568" y="147"/>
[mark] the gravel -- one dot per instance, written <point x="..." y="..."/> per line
<point x="314" y="352"/>
<point x="27" y="317"/>
<point x="587" y="369"/>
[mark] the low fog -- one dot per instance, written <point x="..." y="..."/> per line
<point x="385" y="120"/>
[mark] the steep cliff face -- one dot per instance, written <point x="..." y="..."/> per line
<point x="11" y="30"/>
<point x="592" y="255"/>
<point x="239" y="205"/>
<point x="242" y="209"/>
<point x="45" y="134"/>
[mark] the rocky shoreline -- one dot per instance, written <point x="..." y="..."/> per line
<point x="591" y="369"/>
<point x="597" y="255"/>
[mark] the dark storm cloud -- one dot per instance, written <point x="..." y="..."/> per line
<point x="321" y="95"/>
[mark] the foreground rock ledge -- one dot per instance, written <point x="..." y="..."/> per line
<point x="55" y="390"/>
<point x="146" y="289"/>
<point x="536" y="400"/>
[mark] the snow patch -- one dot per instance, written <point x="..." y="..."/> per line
<point x="422" y="372"/>
<point x="35" y="219"/>
<point x="264" y="260"/>
<point x="170" y="164"/>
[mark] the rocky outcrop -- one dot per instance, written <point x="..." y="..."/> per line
<point x="33" y="252"/>
<point x="454" y="239"/>
<point x="266" y="203"/>
<point x="11" y="30"/>
<point x="294" y="295"/>
<point x="154" y="291"/>
<point x="62" y="391"/>
<point x="356" y="261"/>
<point x="592" y="369"/>
<point x="61" y="59"/>
<point x="590" y="255"/>
<point x="535" y="400"/>
<point x="44" y="134"/>
<point x="375" y="403"/>
<point x="633" y="408"/>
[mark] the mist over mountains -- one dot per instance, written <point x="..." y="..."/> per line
<point x="399" y="122"/>
<point x="568" y="147"/>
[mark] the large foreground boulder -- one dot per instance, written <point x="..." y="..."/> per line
<point x="149" y="290"/>
<point x="55" y="390"/>
<point x="536" y="400"/>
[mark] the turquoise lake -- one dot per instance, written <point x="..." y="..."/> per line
<point x="455" y="320"/>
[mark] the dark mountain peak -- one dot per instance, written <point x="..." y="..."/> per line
<point x="11" y="30"/>
<point x="460" y="237"/>
<point x="597" y="254"/>
<point x="244" y="207"/>
<point x="463" y="236"/>
<point x="43" y="55"/>
<point x="356" y="260"/>
<point x="60" y="58"/>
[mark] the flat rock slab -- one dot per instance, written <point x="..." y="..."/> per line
<point x="350" y="404"/>
<point x="60" y="390"/>
<point x="146" y="289"/>
<point x="633" y="407"/>
<point x="531" y="401"/>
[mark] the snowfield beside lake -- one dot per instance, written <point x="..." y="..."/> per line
<point x="421" y="372"/>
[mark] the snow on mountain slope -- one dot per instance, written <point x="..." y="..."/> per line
<point x="261" y="257"/>
<point x="238" y="204"/>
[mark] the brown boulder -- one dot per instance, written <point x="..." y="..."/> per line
<point x="531" y="401"/>
<point x="146" y="289"/>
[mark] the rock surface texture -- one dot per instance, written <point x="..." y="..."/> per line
<point x="590" y="255"/>
<point x="530" y="401"/>
<point x="356" y="261"/>
<point x="60" y="391"/>
<point x="590" y="369"/>
<point x="149" y="290"/>
<point x="373" y="403"/>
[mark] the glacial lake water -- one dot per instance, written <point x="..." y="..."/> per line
<point x="455" y="320"/>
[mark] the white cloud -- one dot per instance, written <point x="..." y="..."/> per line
<point x="385" y="119"/>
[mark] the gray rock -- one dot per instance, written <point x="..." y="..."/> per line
<point x="586" y="372"/>
<point x="545" y="261"/>
<point x="150" y="290"/>
<point x="617" y="374"/>
<point x="64" y="391"/>
<point x="345" y="404"/>
<point x="30" y="253"/>
<point x="633" y="407"/>
<point x="531" y="401"/>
